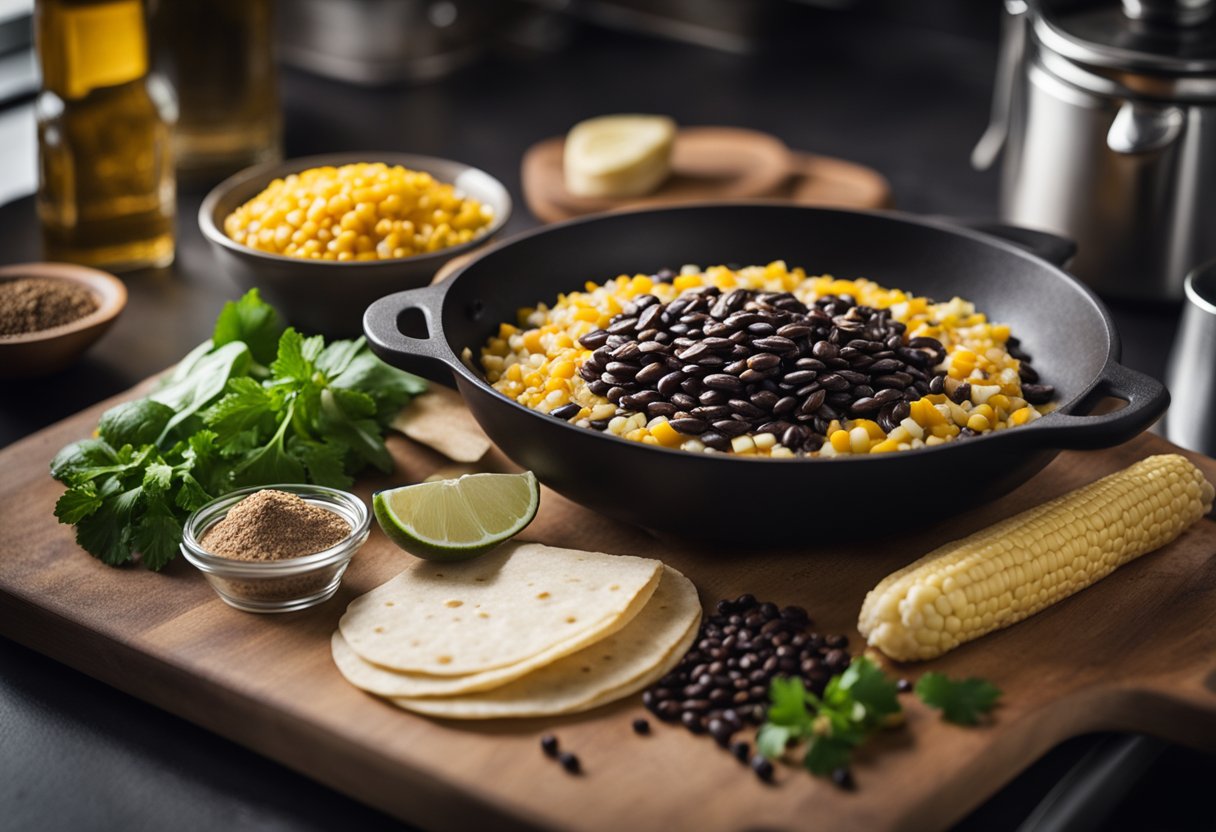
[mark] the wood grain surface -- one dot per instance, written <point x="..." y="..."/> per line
<point x="1135" y="652"/>
<point x="712" y="163"/>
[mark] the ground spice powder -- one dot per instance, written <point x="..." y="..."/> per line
<point x="274" y="525"/>
<point x="32" y="304"/>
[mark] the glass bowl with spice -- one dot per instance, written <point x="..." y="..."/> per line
<point x="276" y="548"/>
<point x="50" y="313"/>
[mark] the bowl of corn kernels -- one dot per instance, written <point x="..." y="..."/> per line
<point x="323" y="236"/>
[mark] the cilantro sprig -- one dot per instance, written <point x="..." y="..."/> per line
<point x="855" y="704"/>
<point x="962" y="701"/>
<point x="256" y="404"/>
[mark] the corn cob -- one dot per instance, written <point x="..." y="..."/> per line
<point x="1010" y="571"/>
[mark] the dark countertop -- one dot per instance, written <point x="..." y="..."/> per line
<point x="79" y="755"/>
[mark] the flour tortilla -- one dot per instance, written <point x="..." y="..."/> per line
<point x="384" y="682"/>
<point x="614" y="667"/>
<point x="440" y="420"/>
<point x="507" y="606"/>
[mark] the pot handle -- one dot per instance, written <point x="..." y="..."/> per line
<point x="428" y="356"/>
<point x="1146" y="400"/>
<point x="1053" y="248"/>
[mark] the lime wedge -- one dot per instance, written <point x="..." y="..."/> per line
<point x="460" y="518"/>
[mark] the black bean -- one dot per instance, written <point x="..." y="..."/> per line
<point x="897" y="381"/>
<point x="825" y="349"/>
<point x="548" y="744"/>
<point x="566" y="411"/>
<point x="653" y="346"/>
<point x="775" y="343"/>
<point x="715" y="440"/>
<point x="722" y="381"/>
<point x="1038" y="393"/>
<point x="599" y="424"/>
<point x="711" y="413"/>
<point x="691" y="386"/>
<point x="731" y="427"/>
<point x="745" y="408"/>
<point x="751" y="376"/>
<point x="650" y="316"/>
<point x="690" y="425"/>
<point x="865" y="406"/>
<point x="569" y="762"/>
<point x="740" y="750"/>
<point x="810" y="364"/>
<point x="764" y="400"/>
<point x="843" y="778"/>
<point x="800" y="377"/>
<point x="784" y="405"/>
<point x="961" y="393"/>
<point x="903" y="685"/>
<point x="886" y="365"/>
<point x="1027" y="373"/>
<point x="834" y="382"/>
<point x="713" y="398"/>
<point x="888" y="396"/>
<point x="762" y="766"/>
<point x="650" y="373"/>
<point x="683" y="400"/>
<point x="693" y="722"/>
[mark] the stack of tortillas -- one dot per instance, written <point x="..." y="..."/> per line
<point x="526" y="630"/>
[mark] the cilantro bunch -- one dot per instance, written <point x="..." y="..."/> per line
<point x="257" y="404"/>
<point x="854" y="705"/>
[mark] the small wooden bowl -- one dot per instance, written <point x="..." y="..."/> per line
<point x="47" y="351"/>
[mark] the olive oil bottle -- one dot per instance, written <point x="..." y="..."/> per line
<point x="106" y="185"/>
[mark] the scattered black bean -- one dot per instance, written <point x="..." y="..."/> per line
<point x="548" y="744"/>
<point x="762" y="766"/>
<point x="843" y="778"/>
<point x="903" y="685"/>
<point x="640" y="725"/>
<point x="569" y="762"/>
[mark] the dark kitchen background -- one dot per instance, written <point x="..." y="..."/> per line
<point x="902" y="87"/>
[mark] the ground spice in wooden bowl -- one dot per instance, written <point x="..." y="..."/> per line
<point x="32" y="304"/>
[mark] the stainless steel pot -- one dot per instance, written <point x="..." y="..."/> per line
<point x="1107" y="118"/>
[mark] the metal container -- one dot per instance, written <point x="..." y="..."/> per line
<point x="1107" y="118"/>
<point x="1192" y="367"/>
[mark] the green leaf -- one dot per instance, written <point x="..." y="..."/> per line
<point x="963" y="701"/>
<point x="156" y="535"/>
<point x="157" y="478"/>
<point x="771" y="740"/>
<point x="204" y="384"/>
<point x="252" y="321"/>
<point x="80" y="456"/>
<point x="296" y="355"/>
<point x="869" y="687"/>
<point x="362" y="435"/>
<point x="186" y="366"/>
<point x="389" y="387"/>
<point x="105" y="534"/>
<point x="826" y="754"/>
<point x="788" y="701"/>
<point x="325" y="461"/>
<point x="191" y="495"/>
<point x="77" y="503"/>
<point x="245" y="406"/>
<point x="355" y="404"/>
<point x="271" y="463"/>
<point x="335" y="358"/>
<point x="134" y="423"/>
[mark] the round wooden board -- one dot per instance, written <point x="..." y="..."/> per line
<point x="712" y="164"/>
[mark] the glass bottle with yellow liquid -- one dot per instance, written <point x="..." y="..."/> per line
<point x="106" y="186"/>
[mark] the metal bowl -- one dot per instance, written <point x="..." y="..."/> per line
<point x="324" y="295"/>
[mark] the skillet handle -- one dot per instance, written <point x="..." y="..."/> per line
<point x="1053" y="248"/>
<point x="429" y="356"/>
<point x="1146" y="400"/>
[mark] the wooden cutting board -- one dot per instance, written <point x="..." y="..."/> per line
<point x="1137" y="652"/>
<point x="712" y="164"/>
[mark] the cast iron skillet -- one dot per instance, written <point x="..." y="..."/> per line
<point x="721" y="497"/>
